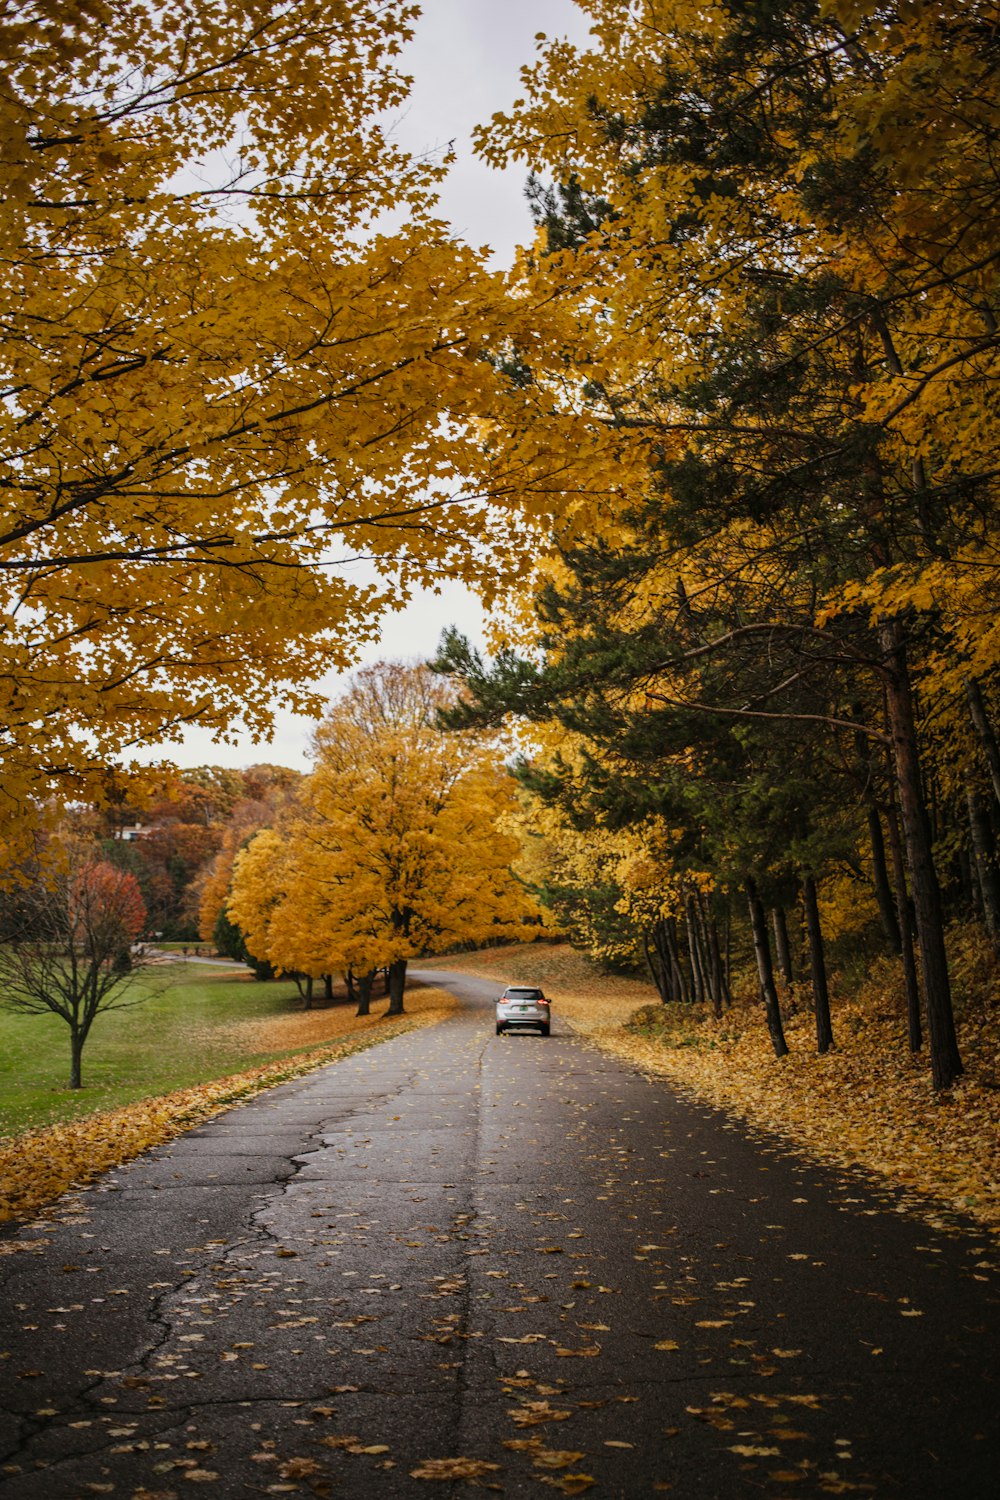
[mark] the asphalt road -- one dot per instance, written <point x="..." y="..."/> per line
<point x="508" y="1251"/>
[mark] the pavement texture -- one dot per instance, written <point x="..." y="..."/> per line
<point x="458" y="1262"/>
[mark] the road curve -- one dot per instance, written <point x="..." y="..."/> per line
<point x="511" y="1252"/>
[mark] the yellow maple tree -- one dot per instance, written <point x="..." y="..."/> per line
<point x="397" y="847"/>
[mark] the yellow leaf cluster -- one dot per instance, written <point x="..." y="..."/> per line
<point x="394" y="847"/>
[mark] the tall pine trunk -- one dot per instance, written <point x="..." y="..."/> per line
<point x="883" y="889"/>
<point x="946" y="1062"/>
<point x="817" y="966"/>
<point x="984" y="862"/>
<point x="906" y="952"/>
<point x="985" y="731"/>
<point x="681" y="987"/>
<point x="697" y="971"/>
<point x="765" y="968"/>
<point x="782" y="946"/>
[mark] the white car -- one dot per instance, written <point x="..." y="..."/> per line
<point x="523" y="1005"/>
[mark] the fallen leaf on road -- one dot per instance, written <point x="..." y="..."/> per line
<point x="666" y="1344"/>
<point x="571" y="1484"/>
<point x="747" y="1450"/>
<point x="534" y="1413"/>
<point x="469" y="1469"/>
<point x="300" y="1468"/>
<point x="555" y="1458"/>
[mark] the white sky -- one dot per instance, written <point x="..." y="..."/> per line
<point x="465" y="60"/>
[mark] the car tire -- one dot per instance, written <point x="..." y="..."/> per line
<point x="545" y="1030"/>
<point x="499" y="1030"/>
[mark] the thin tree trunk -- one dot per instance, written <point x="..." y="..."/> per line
<point x="817" y="966"/>
<point x="661" y="947"/>
<point x="655" y="971"/>
<point x="984" y="857"/>
<point x="946" y="1062"/>
<point x="658" y="962"/>
<point x="985" y="731"/>
<point x="365" y="982"/>
<point x="327" y="986"/>
<point x="681" y="986"/>
<point x="76" y="1041"/>
<point x="307" y="992"/>
<point x="912" y="987"/>
<point x="729" y="950"/>
<point x="765" y="968"/>
<point x="883" y="890"/>
<point x="710" y="936"/>
<point x="781" y="945"/>
<point x="397" y="983"/>
<point x="697" y="976"/>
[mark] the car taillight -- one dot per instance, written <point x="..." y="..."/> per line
<point x="542" y="1000"/>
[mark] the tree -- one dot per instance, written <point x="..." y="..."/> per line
<point x="397" y="847"/>
<point x="67" y="947"/>
<point x="220" y="379"/>
<point x="775" y="228"/>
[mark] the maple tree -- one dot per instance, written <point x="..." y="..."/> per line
<point x="223" y="377"/>
<point x="67" y="947"/>
<point x="395" y="847"/>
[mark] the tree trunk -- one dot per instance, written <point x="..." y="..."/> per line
<point x="817" y="966"/>
<point x="661" y="948"/>
<point x="984" y="856"/>
<point x="710" y="938"/>
<point x="77" y="1038"/>
<point x="781" y="945"/>
<point x="681" y="987"/>
<point x="327" y="986"/>
<point x="397" y="983"/>
<point x="907" y="955"/>
<point x="307" y="992"/>
<point x="765" y="969"/>
<point x="883" y="890"/>
<point x="659" y="974"/>
<point x="985" y="731"/>
<point x="946" y="1062"/>
<point x="697" y="975"/>
<point x="365" y="982"/>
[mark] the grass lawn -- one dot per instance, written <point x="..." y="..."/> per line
<point x="197" y="1025"/>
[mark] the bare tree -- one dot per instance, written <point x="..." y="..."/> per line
<point x="68" y="948"/>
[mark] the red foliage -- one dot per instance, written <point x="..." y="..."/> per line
<point x="106" y="899"/>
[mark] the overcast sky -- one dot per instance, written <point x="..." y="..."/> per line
<point x="465" y="59"/>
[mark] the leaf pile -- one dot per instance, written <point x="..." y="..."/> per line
<point x="865" y="1104"/>
<point x="39" y="1165"/>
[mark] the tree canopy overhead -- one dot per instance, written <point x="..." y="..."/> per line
<point x="222" y="375"/>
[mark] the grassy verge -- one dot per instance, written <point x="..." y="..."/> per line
<point x="38" y="1165"/>
<point x="198" y="1024"/>
<point x="866" y="1104"/>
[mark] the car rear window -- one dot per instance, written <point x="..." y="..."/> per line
<point x="513" y="994"/>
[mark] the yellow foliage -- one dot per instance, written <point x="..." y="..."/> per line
<point x="396" y="845"/>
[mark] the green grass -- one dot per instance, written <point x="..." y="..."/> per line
<point x="175" y="1039"/>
